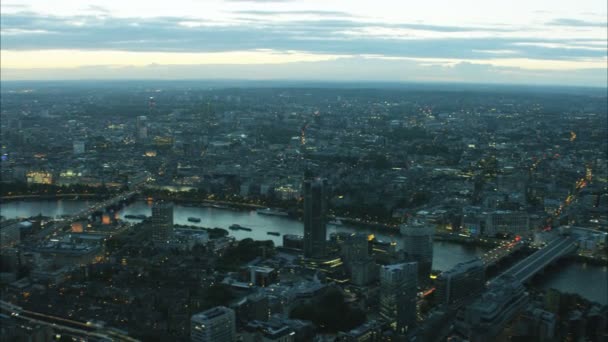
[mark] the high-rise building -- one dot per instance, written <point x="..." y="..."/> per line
<point x="462" y="281"/>
<point x="355" y="253"/>
<point x="142" y="127"/>
<point x="162" y="222"/>
<point x="315" y="218"/>
<point x="418" y="245"/>
<point x="354" y="248"/>
<point x="214" y="325"/>
<point x="398" y="287"/>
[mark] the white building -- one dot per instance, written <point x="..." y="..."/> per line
<point x="418" y="245"/>
<point x="214" y="325"/>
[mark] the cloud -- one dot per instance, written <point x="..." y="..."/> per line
<point x="30" y="31"/>
<point x="577" y="23"/>
<point x="260" y="1"/>
<point x="293" y="13"/>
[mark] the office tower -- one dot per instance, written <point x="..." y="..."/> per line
<point x="507" y="222"/>
<point x="162" y="222"/>
<point x="214" y="325"/>
<point x="315" y="211"/>
<point x="418" y="246"/>
<point x="354" y="250"/>
<point x="142" y="127"/>
<point x="78" y="146"/>
<point x="398" y="285"/>
<point x="355" y="247"/>
<point x="462" y="281"/>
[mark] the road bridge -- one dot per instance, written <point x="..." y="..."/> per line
<point x="528" y="267"/>
<point x="84" y="214"/>
<point x="502" y="251"/>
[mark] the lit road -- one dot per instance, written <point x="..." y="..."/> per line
<point x="502" y="251"/>
<point x="77" y="328"/>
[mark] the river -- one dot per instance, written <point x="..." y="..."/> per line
<point x="587" y="280"/>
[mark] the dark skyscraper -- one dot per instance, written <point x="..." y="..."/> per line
<point x="315" y="212"/>
<point x="162" y="222"/>
<point x="398" y="285"/>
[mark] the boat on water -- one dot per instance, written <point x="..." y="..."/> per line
<point x="273" y="233"/>
<point x="271" y="212"/>
<point x="220" y="206"/>
<point x="194" y="219"/>
<point x="239" y="227"/>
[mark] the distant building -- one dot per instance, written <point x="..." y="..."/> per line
<point x="398" y="287"/>
<point x="315" y="218"/>
<point x="162" y="222"/>
<point x="460" y="282"/>
<point x="418" y="245"/>
<point x="39" y="177"/>
<point x="142" y="127"/>
<point x="78" y="146"/>
<point x="214" y="325"/>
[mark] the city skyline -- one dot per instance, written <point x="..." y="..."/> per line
<point x="295" y="171"/>
<point x="476" y="42"/>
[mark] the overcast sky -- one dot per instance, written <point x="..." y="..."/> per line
<point x="533" y="41"/>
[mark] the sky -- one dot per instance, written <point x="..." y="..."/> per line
<point x="556" y="42"/>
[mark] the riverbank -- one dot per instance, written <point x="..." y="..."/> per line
<point x="205" y="202"/>
<point x="489" y="242"/>
<point x="53" y="197"/>
<point x="587" y="260"/>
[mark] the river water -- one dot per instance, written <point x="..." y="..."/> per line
<point x="587" y="280"/>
